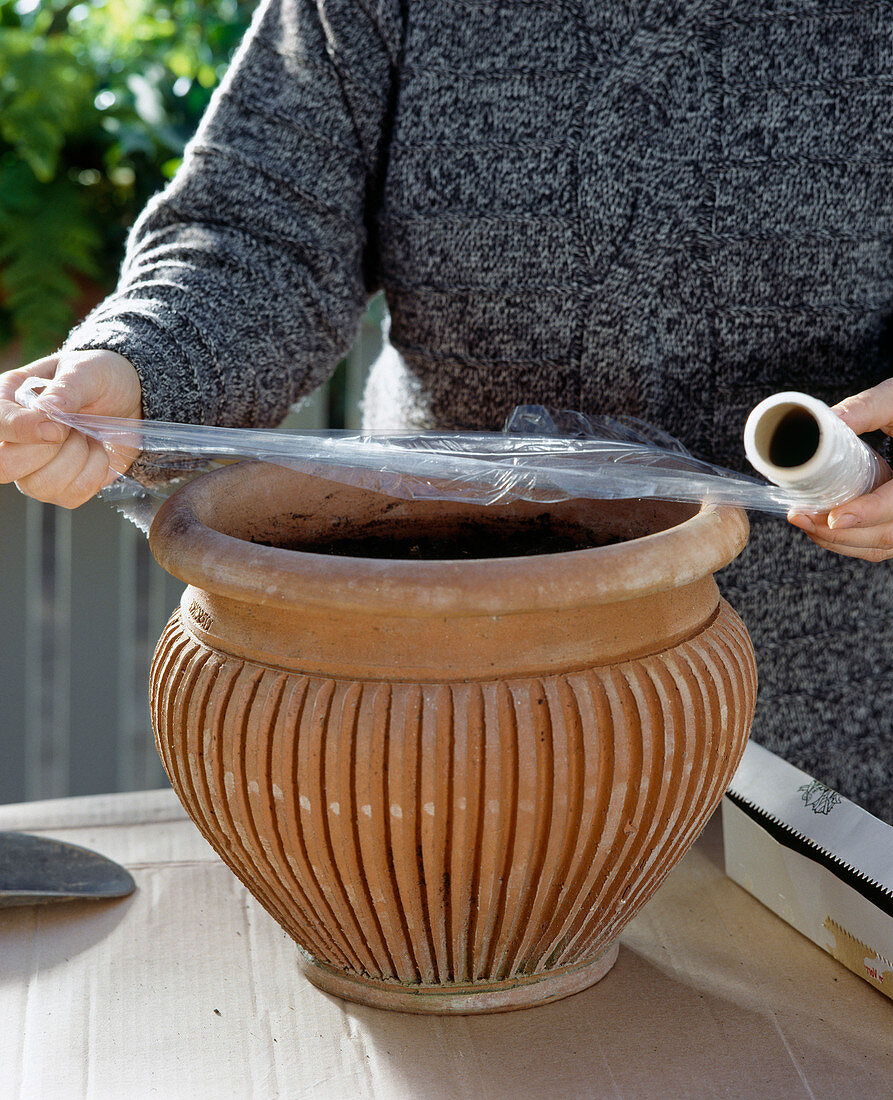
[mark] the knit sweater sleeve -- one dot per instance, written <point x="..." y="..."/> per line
<point x="243" y="281"/>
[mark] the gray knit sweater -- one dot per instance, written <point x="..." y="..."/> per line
<point x="666" y="208"/>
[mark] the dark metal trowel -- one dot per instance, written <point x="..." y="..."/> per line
<point x="35" y="870"/>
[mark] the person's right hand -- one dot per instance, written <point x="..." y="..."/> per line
<point x="48" y="461"/>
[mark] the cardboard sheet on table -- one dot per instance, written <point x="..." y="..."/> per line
<point x="188" y="989"/>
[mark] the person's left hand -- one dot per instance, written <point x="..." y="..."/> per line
<point x="863" y="527"/>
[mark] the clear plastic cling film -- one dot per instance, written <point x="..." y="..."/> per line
<point x="541" y="455"/>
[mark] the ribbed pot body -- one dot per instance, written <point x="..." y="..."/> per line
<point x="451" y="804"/>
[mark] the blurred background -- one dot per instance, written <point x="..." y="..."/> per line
<point x="97" y="100"/>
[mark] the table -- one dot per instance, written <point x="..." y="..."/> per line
<point x="188" y="989"/>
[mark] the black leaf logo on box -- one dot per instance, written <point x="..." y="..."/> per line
<point x="819" y="798"/>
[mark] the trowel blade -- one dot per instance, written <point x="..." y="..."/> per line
<point x="35" y="870"/>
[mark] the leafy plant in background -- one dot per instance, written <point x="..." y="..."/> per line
<point x="97" y="100"/>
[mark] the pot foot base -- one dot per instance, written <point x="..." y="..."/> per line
<point x="460" y="999"/>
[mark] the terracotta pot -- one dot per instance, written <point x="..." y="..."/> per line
<point x="453" y="782"/>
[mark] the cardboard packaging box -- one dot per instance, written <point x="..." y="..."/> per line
<point x="820" y="862"/>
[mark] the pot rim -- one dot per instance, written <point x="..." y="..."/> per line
<point x="190" y="550"/>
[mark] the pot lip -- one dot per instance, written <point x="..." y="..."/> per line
<point x="233" y="568"/>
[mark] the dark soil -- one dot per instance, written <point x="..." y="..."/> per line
<point x="463" y="545"/>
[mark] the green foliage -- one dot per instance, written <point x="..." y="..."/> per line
<point x="97" y="100"/>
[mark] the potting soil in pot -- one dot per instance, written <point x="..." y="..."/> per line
<point x="467" y="541"/>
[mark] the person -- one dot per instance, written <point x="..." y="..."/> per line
<point x="662" y="210"/>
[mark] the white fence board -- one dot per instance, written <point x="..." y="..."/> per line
<point x="13" y="646"/>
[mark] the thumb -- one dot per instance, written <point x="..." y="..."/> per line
<point x="869" y="410"/>
<point x="77" y="382"/>
<point x="98" y="381"/>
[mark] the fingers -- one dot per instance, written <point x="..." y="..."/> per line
<point x="869" y="410"/>
<point x="18" y="460"/>
<point x="861" y="528"/>
<point x="26" y="426"/>
<point x="870" y="538"/>
<point x="45" y="459"/>
<point x="12" y="379"/>
<point x="77" y="472"/>
<point x="874" y="509"/>
<point x="863" y="553"/>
